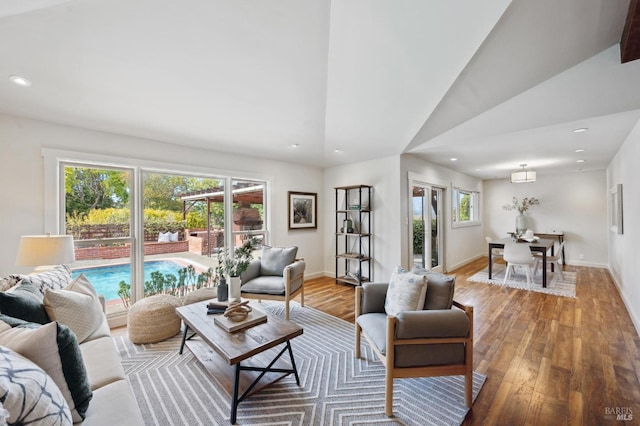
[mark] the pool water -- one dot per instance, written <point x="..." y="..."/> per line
<point x="105" y="279"/>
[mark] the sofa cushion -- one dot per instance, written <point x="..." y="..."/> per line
<point x="77" y="306"/>
<point x="274" y="259"/>
<point x="102" y="362"/>
<point x="24" y="302"/>
<point x="54" y="279"/>
<point x="440" y="288"/>
<point x="55" y="349"/>
<point x="406" y="292"/>
<point x="114" y="404"/>
<point x="28" y="393"/>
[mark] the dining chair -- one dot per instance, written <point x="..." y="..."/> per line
<point x="518" y="255"/>
<point x="555" y="259"/>
<point x="495" y="253"/>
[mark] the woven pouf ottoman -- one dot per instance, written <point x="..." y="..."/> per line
<point x="201" y="294"/>
<point x="153" y="319"/>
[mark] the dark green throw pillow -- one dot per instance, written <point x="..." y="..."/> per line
<point x="25" y="302"/>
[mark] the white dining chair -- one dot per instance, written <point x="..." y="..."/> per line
<point x="518" y="255"/>
<point x="495" y="253"/>
<point x="555" y="259"/>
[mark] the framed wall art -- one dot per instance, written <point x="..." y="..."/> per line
<point x="303" y="210"/>
<point x="615" y="208"/>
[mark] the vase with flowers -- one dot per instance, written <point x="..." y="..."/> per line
<point x="521" y="206"/>
<point x="230" y="265"/>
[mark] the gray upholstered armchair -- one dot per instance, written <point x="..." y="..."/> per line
<point x="276" y="275"/>
<point x="435" y="341"/>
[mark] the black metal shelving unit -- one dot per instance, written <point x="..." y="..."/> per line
<point x="353" y="244"/>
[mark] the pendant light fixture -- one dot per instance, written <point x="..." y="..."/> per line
<point x="523" y="175"/>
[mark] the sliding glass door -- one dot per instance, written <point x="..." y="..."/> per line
<point x="426" y="226"/>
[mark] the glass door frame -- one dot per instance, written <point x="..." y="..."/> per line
<point x="415" y="181"/>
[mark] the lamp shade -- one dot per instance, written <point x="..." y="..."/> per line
<point x="523" y="175"/>
<point x="43" y="250"/>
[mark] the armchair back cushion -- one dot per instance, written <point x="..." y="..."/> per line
<point x="274" y="259"/>
<point x="440" y="288"/>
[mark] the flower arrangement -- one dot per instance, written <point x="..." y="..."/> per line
<point x="236" y="264"/>
<point x="521" y="206"/>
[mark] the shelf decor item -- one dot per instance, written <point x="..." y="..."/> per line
<point x="303" y="210"/>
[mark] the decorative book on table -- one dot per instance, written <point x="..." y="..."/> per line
<point x="255" y="317"/>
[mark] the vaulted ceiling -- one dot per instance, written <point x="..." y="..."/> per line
<point x="493" y="84"/>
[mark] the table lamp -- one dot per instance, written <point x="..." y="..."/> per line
<point x="45" y="251"/>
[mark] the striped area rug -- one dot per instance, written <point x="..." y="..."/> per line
<point x="335" y="388"/>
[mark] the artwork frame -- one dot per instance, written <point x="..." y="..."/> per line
<point x="615" y="209"/>
<point x="302" y="210"/>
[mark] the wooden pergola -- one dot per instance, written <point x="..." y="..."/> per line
<point x="242" y="194"/>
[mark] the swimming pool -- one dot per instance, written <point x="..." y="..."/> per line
<point x="105" y="279"/>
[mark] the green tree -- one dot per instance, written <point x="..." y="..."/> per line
<point x="465" y="207"/>
<point x="88" y="189"/>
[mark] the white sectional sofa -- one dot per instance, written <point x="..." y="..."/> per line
<point x="110" y="401"/>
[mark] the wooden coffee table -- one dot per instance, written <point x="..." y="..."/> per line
<point x="240" y="345"/>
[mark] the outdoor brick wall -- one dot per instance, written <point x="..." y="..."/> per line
<point x="116" y="252"/>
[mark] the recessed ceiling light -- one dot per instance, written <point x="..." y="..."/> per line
<point x="580" y="130"/>
<point x="336" y="150"/>
<point x="20" y="81"/>
<point x="579" y="150"/>
<point x="295" y="145"/>
<point x="453" y="159"/>
<point x="579" y="161"/>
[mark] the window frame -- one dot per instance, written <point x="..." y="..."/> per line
<point x="455" y="208"/>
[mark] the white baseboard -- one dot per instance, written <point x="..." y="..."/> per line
<point x="627" y="305"/>
<point x="464" y="262"/>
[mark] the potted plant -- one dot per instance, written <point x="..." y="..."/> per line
<point x="522" y="207"/>
<point x="232" y="265"/>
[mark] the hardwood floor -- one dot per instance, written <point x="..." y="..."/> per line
<point x="549" y="360"/>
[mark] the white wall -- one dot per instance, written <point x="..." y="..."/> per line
<point x="382" y="174"/>
<point x="574" y="203"/>
<point x="624" y="250"/>
<point x="22" y="189"/>
<point x="462" y="245"/>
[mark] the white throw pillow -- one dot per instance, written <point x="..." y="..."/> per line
<point x="406" y="292"/>
<point x="77" y="306"/>
<point x="164" y="237"/>
<point x="173" y="236"/>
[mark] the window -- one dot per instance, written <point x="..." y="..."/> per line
<point x="466" y="208"/>
<point x="146" y="229"/>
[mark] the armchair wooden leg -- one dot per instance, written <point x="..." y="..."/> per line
<point x="357" y="340"/>
<point x="302" y="296"/>
<point x="388" y="392"/>
<point x="286" y="309"/>
<point x="468" y="389"/>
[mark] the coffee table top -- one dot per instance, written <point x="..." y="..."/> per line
<point x="240" y="345"/>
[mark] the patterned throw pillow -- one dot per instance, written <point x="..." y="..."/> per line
<point x="54" y="279"/>
<point x="29" y="394"/>
<point x="406" y="292"/>
<point x="54" y="349"/>
<point x="77" y="306"/>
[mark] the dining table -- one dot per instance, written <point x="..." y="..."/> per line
<point x="541" y="245"/>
